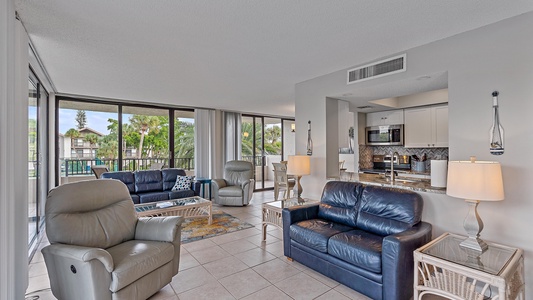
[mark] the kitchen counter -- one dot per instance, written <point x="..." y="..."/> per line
<point x="413" y="184"/>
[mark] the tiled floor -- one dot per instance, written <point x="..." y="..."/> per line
<point x="232" y="266"/>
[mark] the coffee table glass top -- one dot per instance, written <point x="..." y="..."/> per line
<point x="290" y="203"/>
<point x="170" y="203"/>
<point x="491" y="261"/>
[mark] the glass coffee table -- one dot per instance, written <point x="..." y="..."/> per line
<point x="271" y="214"/>
<point x="193" y="207"/>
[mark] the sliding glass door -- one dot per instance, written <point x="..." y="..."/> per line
<point x="263" y="140"/>
<point x="37" y="157"/>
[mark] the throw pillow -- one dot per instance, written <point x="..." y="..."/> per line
<point x="182" y="183"/>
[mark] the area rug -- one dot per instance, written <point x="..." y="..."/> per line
<point x="197" y="228"/>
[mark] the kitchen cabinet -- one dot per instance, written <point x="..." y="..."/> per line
<point x="391" y="117"/>
<point x="426" y="127"/>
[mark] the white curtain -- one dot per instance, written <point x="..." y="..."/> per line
<point x="232" y="136"/>
<point x="208" y="149"/>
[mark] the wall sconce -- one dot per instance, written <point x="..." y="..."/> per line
<point x="293" y="127"/>
<point x="245" y="134"/>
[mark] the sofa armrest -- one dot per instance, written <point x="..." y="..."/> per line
<point x="248" y="190"/>
<point x="291" y="215"/>
<point x="397" y="260"/>
<point x="82" y="254"/>
<point x="217" y="184"/>
<point x="162" y="229"/>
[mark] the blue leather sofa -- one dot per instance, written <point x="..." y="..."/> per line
<point x="153" y="185"/>
<point x="361" y="236"/>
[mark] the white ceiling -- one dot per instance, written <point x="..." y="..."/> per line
<point x="243" y="55"/>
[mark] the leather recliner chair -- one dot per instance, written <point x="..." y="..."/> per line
<point x="100" y="249"/>
<point x="237" y="187"/>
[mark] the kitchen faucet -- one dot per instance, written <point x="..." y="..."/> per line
<point x="394" y="156"/>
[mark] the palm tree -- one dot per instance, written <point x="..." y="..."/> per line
<point x="144" y="124"/>
<point x="73" y="134"/>
<point x="92" y="139"/>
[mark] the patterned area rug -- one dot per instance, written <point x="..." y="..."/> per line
<point x="196" y="228"/>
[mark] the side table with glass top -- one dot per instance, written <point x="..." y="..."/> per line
<point x="271" y="212"/>
<point x="443" y="268"/>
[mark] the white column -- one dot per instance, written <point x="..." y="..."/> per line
<point x="13" y="154"/>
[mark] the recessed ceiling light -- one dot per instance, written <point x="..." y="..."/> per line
<point x="424" y="77"/>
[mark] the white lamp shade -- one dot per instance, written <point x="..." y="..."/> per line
<point x="299" y="165"/>
<point x="478" y="180"/>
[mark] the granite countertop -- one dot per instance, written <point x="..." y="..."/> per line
<point x="413" y="184"/>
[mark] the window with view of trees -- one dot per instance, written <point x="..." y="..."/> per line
<point x="89" y="134"/>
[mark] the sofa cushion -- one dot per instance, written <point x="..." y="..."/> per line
<point x="182" y="183"/>
<point x="315" y="233"/>
<point x="135" y="258"/>
<point x="180" y="194"/>
<point x="148" y="181"/>
<point x="385" y="211"/>
<point x="169" y="177"/>
<point x="339" y="202"/>
<point x="135" y="198"/>
<point x="153" y="197"/>
<point x="359" y="248"/>
<point x="125" y="176"/>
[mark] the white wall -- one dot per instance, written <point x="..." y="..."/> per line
<point x="13" y="155"/>
<point x="495" y="57"/>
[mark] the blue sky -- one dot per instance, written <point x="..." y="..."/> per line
<point x="95" y="120"/>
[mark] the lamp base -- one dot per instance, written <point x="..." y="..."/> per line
<point x="474" y="243"/>
<point x="473" y="226"/>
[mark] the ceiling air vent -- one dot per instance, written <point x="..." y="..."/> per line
<point x="381" y="68"/>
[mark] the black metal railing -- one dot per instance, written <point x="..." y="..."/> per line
<point x="82" y="166"/>
<point x="258" y="160"/>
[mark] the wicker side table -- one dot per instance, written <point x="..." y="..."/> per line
<point x="271" y="212"/>
<point x="443" y="268"/>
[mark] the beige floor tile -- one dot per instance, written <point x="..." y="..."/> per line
<point x="276" y="232"/>
<point x="209" y="254"/>
<point x="187" y="261"/>
<point x="225" y="267"/>
<point x="269" y="293"/>
<point x="210" y="291"/>
<point x="276" y="270"/>
<point x="38" y="283"/>
<point x="198" y="245"/>
<point x="166" y="293"/>
<point x="238" y="246"/>
<point x="36" y="269"/>
<point x="244" y="283"/>
<point x="256" y="221"/>
<point x="302" y="286"/>
<point x="322" y="278"/>
<point x="332" y="295"/>
<point x="275" y="249"/>
<point x="348" y="292"/>
<point x="258" y="240"/>
<point x="190" y="279"/>
<point x="255" y="257"/>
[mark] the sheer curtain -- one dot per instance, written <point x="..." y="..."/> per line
<point x="232" y="136"/>
<point x="208" y="149"/>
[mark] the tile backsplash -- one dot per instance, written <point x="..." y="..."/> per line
<point x="366" y="153"/>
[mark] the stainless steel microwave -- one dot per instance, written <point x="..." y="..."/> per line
<point x="384" y="135"/>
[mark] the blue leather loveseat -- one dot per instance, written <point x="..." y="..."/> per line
<point x="361" y="236"/>
<point x="153" y="185"/>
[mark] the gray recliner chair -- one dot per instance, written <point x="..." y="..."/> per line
<point x="100" y="249"/>
<point x="237" y="187"/>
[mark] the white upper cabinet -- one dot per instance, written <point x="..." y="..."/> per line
<point x="426" y="127"/>
<point x="391" y="117"/>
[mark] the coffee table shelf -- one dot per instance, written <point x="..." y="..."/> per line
<point x="193" y="207"/>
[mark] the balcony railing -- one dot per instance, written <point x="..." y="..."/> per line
<point x="82" y="166"/>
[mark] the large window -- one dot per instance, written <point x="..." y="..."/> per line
<point x="122" y="137"/>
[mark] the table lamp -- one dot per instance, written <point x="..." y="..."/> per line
<point x="299" y="165"/>
<point x="474" y="181"/>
